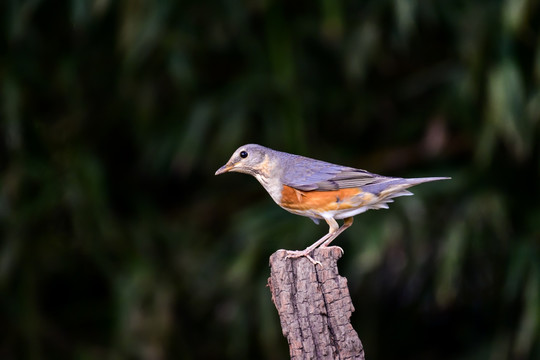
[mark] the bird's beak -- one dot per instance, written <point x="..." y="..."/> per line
<point x="225" y="168"/>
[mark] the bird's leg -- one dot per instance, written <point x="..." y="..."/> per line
<point x="334" y="227"/>
<point x="346" y="224"/>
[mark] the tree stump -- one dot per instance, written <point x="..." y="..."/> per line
<point x="314" y="306"/>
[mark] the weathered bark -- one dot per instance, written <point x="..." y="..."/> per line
<point x="314" y="306"/>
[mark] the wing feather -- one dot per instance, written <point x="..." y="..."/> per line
<point x="309" y="174"/>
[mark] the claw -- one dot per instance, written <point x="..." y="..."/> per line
<point x="297" y="254"/>
<point x="333" y="246"/>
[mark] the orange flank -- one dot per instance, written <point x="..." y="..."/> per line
<point x="321" y="201"/>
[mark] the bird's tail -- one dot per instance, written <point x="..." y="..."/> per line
<point x="416" y="181"/>
<point x="398" y="187"/>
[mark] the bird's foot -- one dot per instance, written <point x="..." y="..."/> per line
<point x="333" y="246"/>
<point x="294" y="254"/>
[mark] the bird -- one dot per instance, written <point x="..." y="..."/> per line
<point x="317" y="189"/>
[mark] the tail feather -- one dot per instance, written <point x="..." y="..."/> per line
<point x="401" y="193"/>
<point x="386" y="191"/>
<point x="397" y="186"/>
<point x="416" y="181"/>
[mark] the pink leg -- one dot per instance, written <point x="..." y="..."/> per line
<point x="346" y="224"/>
<point x="334" y="231"/>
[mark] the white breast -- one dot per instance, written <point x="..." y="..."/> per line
<point x="272" y="187"/>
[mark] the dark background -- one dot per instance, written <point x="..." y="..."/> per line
<point x="117" y="241"/>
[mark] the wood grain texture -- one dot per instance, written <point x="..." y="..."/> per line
<point x="314" y="306"/>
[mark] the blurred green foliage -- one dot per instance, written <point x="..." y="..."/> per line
<point x="117" y="242"/>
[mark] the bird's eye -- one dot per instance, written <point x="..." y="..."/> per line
<point x="243" y="154"/>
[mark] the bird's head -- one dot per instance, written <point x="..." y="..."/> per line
<point x="249" y="159"/>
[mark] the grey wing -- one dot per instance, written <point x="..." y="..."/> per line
<point x="309" y="174"/>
